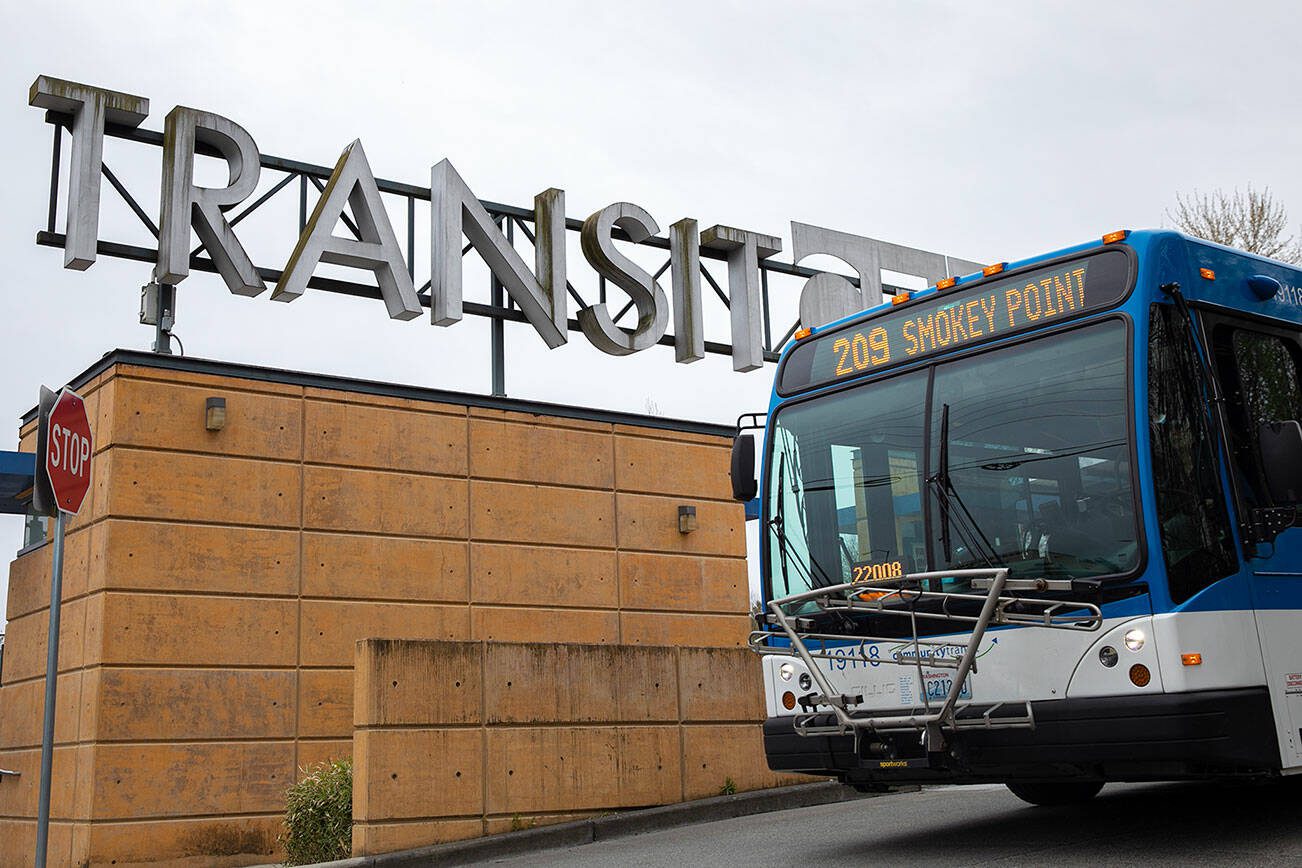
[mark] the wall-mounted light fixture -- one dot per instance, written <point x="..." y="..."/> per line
<point x="686" y="519"/>
<point x="214" y="414"/>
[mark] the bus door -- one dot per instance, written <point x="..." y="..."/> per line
<point x="1258" y="367"/>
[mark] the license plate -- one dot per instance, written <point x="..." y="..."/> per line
<point x="939" y="684"/>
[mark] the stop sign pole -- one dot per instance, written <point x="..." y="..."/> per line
<point x="63" y="451"/>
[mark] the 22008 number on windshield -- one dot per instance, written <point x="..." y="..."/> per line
<point x="939" y="684"/>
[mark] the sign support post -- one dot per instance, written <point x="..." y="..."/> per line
<point x="64" y="447"/>
<point x="51" y="681"/>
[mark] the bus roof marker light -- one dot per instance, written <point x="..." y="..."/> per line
<point x="1263" y="286"/>
<point x="993" y="269"/>
<point x="1207" y="274"/>
<point x="946" y="282"/>
<point x="1114" y="237"/>
<point x="1194" y="659"/>
<point x="803" y="332"/>
<point x="900" y="297"/>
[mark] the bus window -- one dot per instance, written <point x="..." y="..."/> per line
<point x="843" y="487"/>
<point x="1259" y="372"/>
<point x="1191" y="511"/>
<point x="1038" y="459"/>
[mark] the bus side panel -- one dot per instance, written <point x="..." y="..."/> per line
<point x="1277" y="596"/>
<point x="1281" y="646"/>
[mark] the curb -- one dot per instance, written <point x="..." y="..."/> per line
<point x="611" y="826"/>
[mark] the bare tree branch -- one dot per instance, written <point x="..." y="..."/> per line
<point x="1253" y="221"/>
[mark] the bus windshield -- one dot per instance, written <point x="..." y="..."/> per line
<point x="1023" y="462"/>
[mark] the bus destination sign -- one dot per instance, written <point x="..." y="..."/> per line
<point x="957" y="318"/>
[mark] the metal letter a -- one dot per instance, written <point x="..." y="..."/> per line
<point x="352" y="184"/>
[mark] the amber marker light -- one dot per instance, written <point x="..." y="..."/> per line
<point x="1207" y="273"/>
<point x="946" y="283"/>
<point x="993" y="269"/>
<point x="1139" y="675"/>
<point x="1194" y="659"/>
<point x="803" y="332"/>
<point x="900" y="297"/>
<point x="1114" y="237"/>
<point x="788" y="700"/>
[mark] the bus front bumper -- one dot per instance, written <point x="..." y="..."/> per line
<point x="1159" y="736"/>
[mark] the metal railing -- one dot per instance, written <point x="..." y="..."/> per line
<point x="909" y="597"/>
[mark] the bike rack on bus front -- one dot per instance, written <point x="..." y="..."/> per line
<point x="900" y="598"/>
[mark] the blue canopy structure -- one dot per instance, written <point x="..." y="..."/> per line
<point x="17" y="470"/>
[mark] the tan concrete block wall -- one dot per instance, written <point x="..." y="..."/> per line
<point x="169" y="558"/>
<point x="201" y="488"/>
<point x="192" y="842"/>
<point x="418" y="683"/>
<point x="513" y="512"/>
<point x="347" y="566"/>
<point x="529" y="453"/>
<point x="215" y="583"/>
<point x="202" y="704"/>
<point x="415" y="773"/>
<point x="397" y="504"/>
<point x="539" y="770"/>
<point x="165" y="780"/>
<point x="461" y="739"/>
<point x="518" y="574"/>
<point x="258" y="425"/>
<point x="382" y="438"/>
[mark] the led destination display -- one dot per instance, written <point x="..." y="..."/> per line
<point x="957" y="318"/>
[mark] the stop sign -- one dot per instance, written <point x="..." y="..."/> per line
<point x="68" y="449"/>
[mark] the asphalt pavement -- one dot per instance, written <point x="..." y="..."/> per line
<point x="1127" y="824"/>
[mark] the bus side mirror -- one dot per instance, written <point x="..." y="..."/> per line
<point x="1281" y="458"/>
<point x="744" y="486"/>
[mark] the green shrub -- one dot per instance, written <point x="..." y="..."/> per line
<point x="319" y="814"/>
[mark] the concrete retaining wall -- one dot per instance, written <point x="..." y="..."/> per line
<point x="459" y="739"/>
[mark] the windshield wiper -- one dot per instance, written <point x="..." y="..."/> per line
<point x="814" y="576"/>
<point x="1250" y="530"/>
<point x="778" y="523"/>
<point x="948" y="496"/>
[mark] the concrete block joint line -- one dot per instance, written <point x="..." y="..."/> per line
<point x="610" y="826"/>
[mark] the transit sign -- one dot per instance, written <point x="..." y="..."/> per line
<point x="541" y="292"/>
<point x="68" y="448"/>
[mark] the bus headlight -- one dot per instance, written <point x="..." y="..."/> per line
<point x="805" y="681"/>
<point x="1108" y="656"/>
<point x="1134" y="639"/>
<point x="785" y="671"/>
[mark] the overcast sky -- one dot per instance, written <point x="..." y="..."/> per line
<point x="988" y="131"/>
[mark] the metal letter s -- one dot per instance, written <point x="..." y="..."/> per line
<point x="648" y="297"/>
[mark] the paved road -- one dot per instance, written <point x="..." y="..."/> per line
<point x="1132" y="825"/>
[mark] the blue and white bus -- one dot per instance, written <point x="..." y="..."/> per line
<point x="1040" y="526"/>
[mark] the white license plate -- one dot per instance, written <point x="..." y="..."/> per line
<point x="939" y="684"/>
